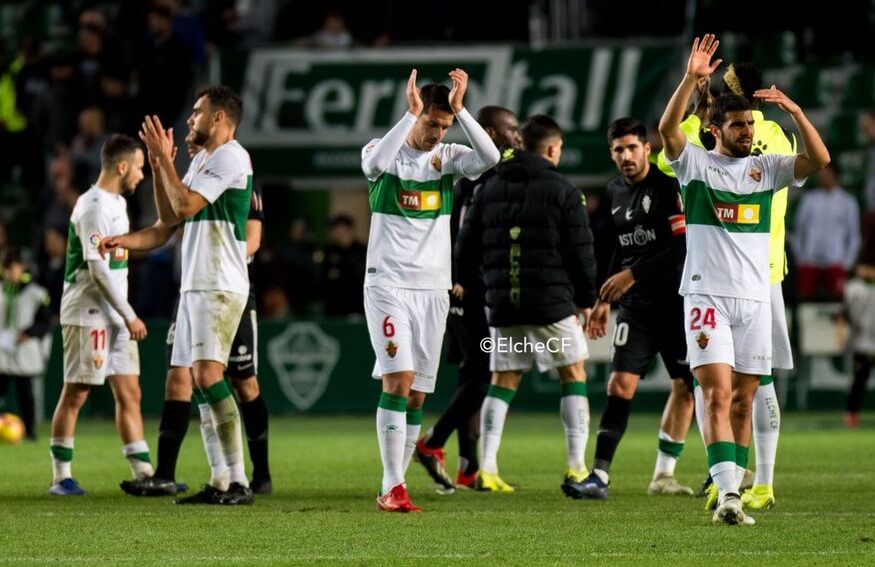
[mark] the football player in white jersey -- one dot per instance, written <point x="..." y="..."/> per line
<point x="410" y="175"/>
<point x="98" y="324"/>
<point x="213" y="202"/>
<point x="727" y="197"/>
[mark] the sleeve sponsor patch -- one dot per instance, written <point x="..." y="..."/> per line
<point x="94" y="239"/>
<point x="678" y="224"/>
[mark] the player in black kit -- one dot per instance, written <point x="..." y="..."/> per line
<point x="644" y="278"/>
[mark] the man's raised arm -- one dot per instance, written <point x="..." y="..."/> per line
<point x="485" y="154"/>
<point x="378" y="157"/>
<point x="699" y="66"/>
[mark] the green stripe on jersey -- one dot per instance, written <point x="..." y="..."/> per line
<point x="75" y="256"/>
<point x="733" y="212"/>
<point x="232" y="206"/>
<point x="391" y="195"/>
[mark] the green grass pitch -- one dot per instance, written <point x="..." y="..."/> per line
<point x="326" y="473"/>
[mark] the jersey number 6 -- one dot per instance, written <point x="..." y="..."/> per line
<point x="388" y="327"/>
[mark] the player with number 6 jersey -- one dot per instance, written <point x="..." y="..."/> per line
<point x="410" y="175"/>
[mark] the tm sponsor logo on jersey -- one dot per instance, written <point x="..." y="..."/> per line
<point x="420" y="200"/>
<point x="638" y="237"/>
<point x="737" y="213"/>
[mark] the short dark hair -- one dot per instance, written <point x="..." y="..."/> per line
<point x="488" y="116"/>
<point x="224" y="98"/>
<point x="342" y="219"/>
<point x="11" y="256"/>
<point x="437" y="96"/>
<point x="727" y="102"/>
<point x="537" y="130"/>
<point x="117" y="148"/>
<point x="742" y="79"/>
<point x="626" y="126"/>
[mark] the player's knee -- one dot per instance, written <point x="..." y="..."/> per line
<point x="415" y="400"/>
<point x="621" y="385"/>
<point x="74" y="398"/>
<point x="246" y="388"/>
<point x="742" y="407"/>
<point x="178" y="385"/>
<point x="717" y="401"/>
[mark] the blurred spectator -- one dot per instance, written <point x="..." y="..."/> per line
<point x="66" y="183"/>
<point x="274" y="303"/>
<point x="33" y="97"/>
<point x="12" y="122"/>
<point x="4" y="240"/>
<point x="51" y="269"/>
<point x="868" y="126"/>
<point x="333" y="35"/>
<point x="85" y="148"/>
<point x="187" y="26"/>
<point x="96" y="74"/>
<point x="343" y="269"/>
<point x="302" y="259"/>
<point x="826" y="237"/>
<point x="25" y="318"/>
<point x="860" y="312"/>
<point x="163" y="70"/>
<point x="867" y="247"/>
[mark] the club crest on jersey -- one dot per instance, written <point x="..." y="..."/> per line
<point x="98" y="360"/>
<point x="737" y="213"/>
<point x="94" y="239"/>
<point x="391" y="349"/>
<point x="420" y="200"/>
<point x="702" y="339"/>
<point x="645" y="202"/>
<point x="755" y="174"/>
<point x="436" y="162"/>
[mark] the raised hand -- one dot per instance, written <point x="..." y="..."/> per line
<point x="775" y="96"/>
<point x="158" y="140"/>
<point x="460" y="85"/>
<point x="414" y="101"/>
<point x="699" y="64"/>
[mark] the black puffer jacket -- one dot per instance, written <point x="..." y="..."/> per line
<point x="527" y="235"/>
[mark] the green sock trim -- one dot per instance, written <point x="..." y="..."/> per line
<point x="414" y="416"/>
<point x="141" y="457"/>
<point x="62" y="453"/>
<point x="720" y="452"/>
<point x="766" y="380"/>
<point x="217" y="392"/>
<point x="501" y="393"/>
<point x="198" y="397"/>
<point x="741" y="455"/>
<point x="393" y="402"/>
<point x="573" y="389"/>
<point x="672" y="448"/>
<point x="695" y="383"/>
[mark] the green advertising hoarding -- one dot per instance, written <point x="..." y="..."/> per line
<point x="307" y="114"/>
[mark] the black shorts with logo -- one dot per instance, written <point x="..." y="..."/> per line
<point x="243" y="360"/>
<point x="644" y="331"/>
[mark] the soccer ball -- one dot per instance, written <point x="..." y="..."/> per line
<point x="11" y="428"/>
